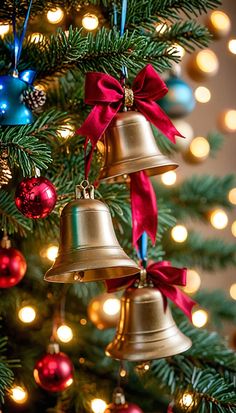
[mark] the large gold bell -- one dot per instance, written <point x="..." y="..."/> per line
<point x="89" y="249"/>
<point x="146" y="330"/>
<point x="131" y="147"/>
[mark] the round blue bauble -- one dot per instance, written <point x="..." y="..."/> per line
<point x="12" y="109"/>
<point x="179" y="101"/>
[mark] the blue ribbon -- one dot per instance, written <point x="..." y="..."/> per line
<point x="142" y="248"/>
<point x="122" y="29"/>
<point x="18" y="40"/>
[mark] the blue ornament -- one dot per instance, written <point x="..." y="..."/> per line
<point x="12" y="109"/>
<point x="179" y="101"/>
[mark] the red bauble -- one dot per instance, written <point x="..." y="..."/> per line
<point x="54" y="372"/>
<point x="12" y="267"/>
<point x="35" y="197"/>
<point x="123" y="408"/>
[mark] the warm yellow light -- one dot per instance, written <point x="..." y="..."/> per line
<point x="207" y="61"/>
<point x="219" y="219"/>
<point x="199" y="318"/>
<point x="220" y="21"/>
<point x="4" y="29"/>
<point x="52" y="252"/>
<point x="169" y="178"/>
<point x="66" y="131"/>
<point x="56" y="15"/>
<point x="123" y="373"/>
<point x="36" y="37"/>
<point x="98" y="405"/>
<point x="202" y="94"/>
<point x="39" y="86"/>
<point x="199" y="147"/>
<point x="180" y="50"/>
<point x="111" y="306"/>
<point x="187" y="400"/>
<point x="27" y="314"/>
<point x="233" y="228"/>
<point x="230" y="120"/>
<point x="232" y="46"/>
<point x="18" y="394"/>
<point x="232" y="196"/>
<point x="161" y="28"/>
<point x="179" y="233"/>
<point x="83" y="321"/>
<point x="232" y="291"/>
<point x="193" y="282"/>
<point x="90" y="21"/>
<point x="64" y="333"/>
<point x="81" y="360"/>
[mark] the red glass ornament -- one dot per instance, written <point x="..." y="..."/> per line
<point x="35" y="197"/>
<point x="123" y="408"/>
<point x="12" y="267"/>
<point x="54" y="372"/>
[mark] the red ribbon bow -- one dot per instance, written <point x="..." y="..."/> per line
<point x="106" y="94"/>
<point x="165" y="278"/>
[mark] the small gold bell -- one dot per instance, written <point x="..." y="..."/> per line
<point x="131" y="147"/>
<point x="89" y="249"/>
<point x="146" y="330"/>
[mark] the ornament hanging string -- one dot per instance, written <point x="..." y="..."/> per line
<point x="18" y="40"/>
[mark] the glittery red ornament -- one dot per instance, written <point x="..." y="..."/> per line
<point x="35" y="197"/>
<point x="119" y="404"/>
<point x="54" y="371"/>
<point x="12" y="265"/>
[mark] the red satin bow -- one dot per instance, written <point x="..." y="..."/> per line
<point x="106" y="94"/>
<point x="165" y="278"/>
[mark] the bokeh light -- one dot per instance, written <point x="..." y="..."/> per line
<point x="232" y="291"/>
<point x="232" y="46"/>
<point x="220" y="23"/>
<point x="199" y="147"/>
<point x="219" y="219"/>
<point x="52" y="252"/>
<point x="55" y="16"/>
<point x="18" y="394"/>
<point x="161" y="28"/>
<point x="111" y="306"/>
<point x="232" y="196"/>
<point x="207" y="61"/>
<point x="230" y="120"/>
<point x="98" y="405"/>
<point x="64" y="333"/>
<point x="233" y="228"/>
<point x="199" y="318"/>
<point x="27" y="314"/>
<point x="179" y="233"/>
<point x="36" y="37"/>
<point x="66" y="131"/>
<point x="169" y="178"/>
<point x="90" y="21"/>
<point x="4" y="29"/>
<point x="193" y="282"/>
<point x="202" y="94"/>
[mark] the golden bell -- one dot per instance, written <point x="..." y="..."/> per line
<point x="146" y="330"/>
<point x="131" y="147"/>
<point x="89" y="249"/>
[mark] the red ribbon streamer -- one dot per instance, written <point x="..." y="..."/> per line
<point x="143" y="206"/>
<point x="106" y="94"/>
<point x="165" y="278"/>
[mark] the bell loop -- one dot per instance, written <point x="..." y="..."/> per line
<point x="5" y="242"/>
<point x="118" y="396"/>
<point x="84" y="190"/>
<point x="128" y="97"/>
<point x="142" y="279"/>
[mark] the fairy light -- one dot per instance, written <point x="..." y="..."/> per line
<point x="199" y="147"/>
<point x="4" y="29"/>
<point x="232" y="291"/>
<point x="169" y="178"/>
<point x="219" y="219"/>
<point x="90" y="21"/>
<point x="111" y="306"/>
<point x="36" y="37"/>
<point x="233" y="228"/>
<point x="83" y="321"/>
<point x="98" y="405"/>
<point x="229" y="120"/>
<point x="66" y="131"/>
<point x="179" y="233"/>
<point x="161" y="28"/>
<point x="180" y="50"/>
<point x="55" y="16"/>
<point x="202" y="94"/>
<point x="199" y="318"/>
<point x="51" y="252"/>
<point x="123" y="373"/>
<point x="193" y="282"/>
<point x="232" y="196"/>
<point x="27" y="314"/>
<point x="207" y="61"/>
<point x="18" y="394"/>
<point x="64" y="333"/>
<point x="81" y="360"/>
<point x="187" y="400"/>
<point x="220" y="22"/>
<point x="232" y="46"/>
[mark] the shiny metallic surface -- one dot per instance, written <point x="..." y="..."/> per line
<point x="131" y="147"/>
<point x="89" y="249"/>
<point x="146" y="331"/>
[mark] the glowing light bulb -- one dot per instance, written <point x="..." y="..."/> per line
<point x="207" y="61"/>
<point x="180" y="50"/>
<point x="56" y="15"/>
<point x="169" y="178"/>
<point x="202" y="94"/>
<point x="98" y="405"/>
<point x="220" y="23"/>
<point x="4" y="29"/>
<point x="111" y="306"/>
<point x="52" y="252"/>
<point x="199" y="318"/>
<point x="66" y="131"/>
<point x="219" y="219"/>
<point x="232" y="46"/>
<point x="232" y="196"/>
<point x="199" y="147"/>
<point x="64" y="333"/>
<point x="83" y="321"/>
<point x="232" y="291"/>
<point x="19" y="394"/>
<point x="193" y="282"/>
<point x="36" y="37"/>
<point x="233" y="228"/>
<point x="27" y="314"/>
<point x="161" y="28"/>
<point x="90" y="21"/>
<point x="123" y="373"/>
<point x="187" y="400"/>
<point x="230" y="120"/>
<point x="179" y="233"/>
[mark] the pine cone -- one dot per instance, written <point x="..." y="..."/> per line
<point x="5" y="172"/>
<point x="34" y="99"/>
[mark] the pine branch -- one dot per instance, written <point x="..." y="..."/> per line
<point x="10" y="217"/>
<point x="6" y="374"/>
<point x="219" y="304"/>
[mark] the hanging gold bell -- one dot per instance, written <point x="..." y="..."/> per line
<point x="131" y="147"/>
<point x="89" y="249"/>
<point x="146" y="330"/>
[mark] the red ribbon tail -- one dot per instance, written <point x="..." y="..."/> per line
<point x="183" y="301"/>
<point x="116" y="284"/>
<point x="87" y="158"/>
<point x="143" y="206"/>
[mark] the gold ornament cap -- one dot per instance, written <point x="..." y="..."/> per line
<point x="118" y="396"/>
<point x="53" y="348"/>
